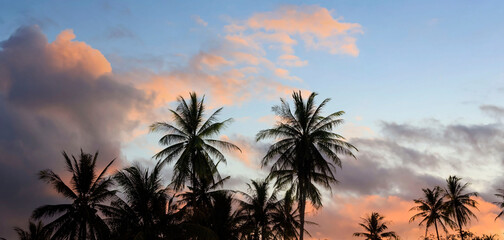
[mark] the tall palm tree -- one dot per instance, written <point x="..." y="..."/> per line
<point x="88" y="191"/>
<point x="36" y="231"/>
<point x="375" y="228"/>
<point x="500" y="195"/>
<point x="306" y="151"/>
<point x="189" y="141"/>
<point x="145" y="208"/>
<point x="458" y="202"/>
<point x="258" y="205"/>
<point x="432" y="210"/>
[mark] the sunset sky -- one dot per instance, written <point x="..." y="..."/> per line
<point x="422" y="85"/>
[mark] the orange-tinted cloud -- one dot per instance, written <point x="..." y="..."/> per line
<point x="55" y="96"/>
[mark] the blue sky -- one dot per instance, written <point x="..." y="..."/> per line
<point x="426" y="86"/>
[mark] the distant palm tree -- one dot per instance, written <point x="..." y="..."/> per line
<point x="88" y="191"/>
<point x="258" y="206"/>
<point x="145" y="209"/>
<point x="189" y="141"/>
<point x="375" y="228"/>
<point x="432" y="210"/>
<point x="458" y="202"/>
<point x="224" y="221"/>
<point x="500" y="195"/>
<point x="36" y="231"/>
<point x="306" y="151"/>
<point x="285" y="219"/>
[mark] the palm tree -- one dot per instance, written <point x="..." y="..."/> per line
<point x="189" y="140"/>
<point x="500" y="195"/>
<point x="36" y="231"/>
<point x="306" y="151"/>
<point x="145" y="208"/>
<point x="258" y="207"/>
<point x="458" y="202"/>
<point x="88" y="191"/>
<point x="432" y="210"/>
<point x="285" y="218"/>
<point x="375" y="228"/>
<point x="224" y="221"/>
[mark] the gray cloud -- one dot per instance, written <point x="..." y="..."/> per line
<point x="50" y="102"/>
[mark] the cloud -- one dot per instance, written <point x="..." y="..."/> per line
<point x="53" y="97"/>
<point x="197" y="19"/>
<point x="120" y="32"/>
<point x="313" y="25"/>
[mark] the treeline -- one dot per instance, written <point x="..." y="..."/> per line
<point x="133" y="203"/>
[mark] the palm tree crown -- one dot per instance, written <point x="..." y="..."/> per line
<point x="79" y="219"/>
<point x="375" y="228"/>
<point x="189" y="140"/>
<point x="458" y="202"/>
<point x="432" y="210"/>
<point x="36" y="231"/>
<point x="258" y="207"/>
<point x="145" y="206"/>
<point x="500" y="195"/>
<point x="306" y="151"/>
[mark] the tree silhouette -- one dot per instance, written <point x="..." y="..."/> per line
<point x="36" y="231"/>
<point x="432" y="210"/>
<point x="189" y="140"/>
<point x="306" y="151"/>
<point x="258" y="207"/>
<point x="285" y="218"/>
<point x="500" y="195"/>
<point x="375" y="228"/>
<point x="458" y="202"/>
<point x="144" y="212"/>
<point x="88" y="191"/>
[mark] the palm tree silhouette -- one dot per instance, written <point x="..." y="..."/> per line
<point x="305" y="142"/>
<point x="79" y="219"/>
<point x="189" y="140"/>
<point x="36" y="231"/>
<point x="458" y="202"/>
<point x="285" y="218"/>
<point x="375" y="228"/>
<point x="500" y="195"/>
<point x="145" y="210"/>
<point x="432" y="210"/>
<point x="258" y="207"/>
<point x="224" y="221"/>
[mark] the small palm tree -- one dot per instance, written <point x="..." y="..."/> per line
<point x="432" y="210"/>
<point x="458" y="202"/>
<point x="190" y="141"/>
<point x="224" y="221"/>
<point x="145" y="208"/>
<point x="375" y="228"/>
<point x="258" y="207"/>
<point x="306" y="150"/>
<point x="36" y="231"/>
<point x="88" y="191"/>
<point x="500" y="195"/>
<point x="285" y="219"/>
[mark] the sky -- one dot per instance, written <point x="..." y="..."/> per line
<point x="422" y="85"/>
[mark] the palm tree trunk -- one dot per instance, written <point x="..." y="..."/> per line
<point x="460" y="229"/>
<point x="437" y="233"/>
<point x="426" y="228"/>
<point x="302" y="205"/>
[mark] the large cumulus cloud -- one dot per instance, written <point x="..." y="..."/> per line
<point x="54" y="96"/>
